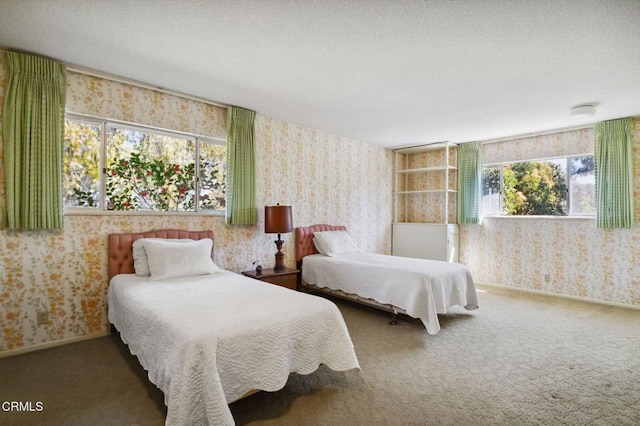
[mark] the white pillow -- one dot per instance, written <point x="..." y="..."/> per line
<point x="140" y="260"/>
<point x="332" y="243"/>
<point x="170" y="259"/>
<point x="318" y="245"/>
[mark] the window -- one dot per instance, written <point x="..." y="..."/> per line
<point x="552" y="187"/>
<point x="582" y="186"/>
<point x="143" y="169"/>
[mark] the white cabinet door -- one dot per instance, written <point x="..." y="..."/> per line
<point x="425" y="241"/>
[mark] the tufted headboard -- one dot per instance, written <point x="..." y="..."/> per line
<point x="120" y="246"/>
<point x="304" y="238"/>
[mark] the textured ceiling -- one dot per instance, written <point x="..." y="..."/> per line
<point x="392" y="73"/>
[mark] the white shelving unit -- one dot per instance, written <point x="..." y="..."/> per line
<point x="424" y="202"/>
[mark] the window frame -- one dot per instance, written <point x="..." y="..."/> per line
<point x="567" y="159"/>
<point x="102" y="209"/>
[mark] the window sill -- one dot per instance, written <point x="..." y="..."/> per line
<point x="97" y="212"/>
<point x="540" y="217"/>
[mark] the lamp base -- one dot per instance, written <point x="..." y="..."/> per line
<point x="279" y="256"/>
<point x="279" y="262"/>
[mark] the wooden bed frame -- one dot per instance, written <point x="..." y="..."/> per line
<point x="120" y="246"/>
<point x="305" y="247"/>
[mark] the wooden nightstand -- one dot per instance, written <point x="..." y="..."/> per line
<point x="286" y="278"/>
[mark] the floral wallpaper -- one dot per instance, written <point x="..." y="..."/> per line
<point x="568" y="256"/>
<point x="109" y="99"/>
<point x="324" y="177"/>
<point x="426" y="207"/>
<point x="558" y="144"/>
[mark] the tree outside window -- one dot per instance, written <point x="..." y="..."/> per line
<point x="583" y="186"/>
<point x="145" y="170"/>
<point x="81" y="164"/>
<point x="555" y="187"/>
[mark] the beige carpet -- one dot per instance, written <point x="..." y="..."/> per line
<point x="519" y="360"/>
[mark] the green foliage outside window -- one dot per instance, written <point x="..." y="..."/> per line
<point x="534" y="188"/>
<point x="81" y="164"/>
<point x="146" y="171"/>
<point x="135" y="184"/>
<point x="540" y="188"/>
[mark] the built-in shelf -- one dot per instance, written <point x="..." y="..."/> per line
<point x="424" y="202"/>
<point x="425" y="171"/>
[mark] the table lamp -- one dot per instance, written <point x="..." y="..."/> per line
<point x="277" y="220"/>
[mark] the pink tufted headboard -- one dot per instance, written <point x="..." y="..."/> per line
<point x="304" y="238"/>
<point x="120" y="246"/>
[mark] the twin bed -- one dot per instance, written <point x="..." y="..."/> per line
<point x="208" y="337"/>
<point x="419" y="288"/>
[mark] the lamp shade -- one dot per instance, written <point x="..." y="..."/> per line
<point x="277" y="219"/>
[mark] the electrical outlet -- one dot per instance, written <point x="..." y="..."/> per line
<point x="547" y="278"/>
<point x="43" y="316"/>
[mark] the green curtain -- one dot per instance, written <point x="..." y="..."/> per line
<point x="241" y="182"/>
<point x="33" y="140"/>
<point x="614" y="174"/>
<point x="469" y="183"/>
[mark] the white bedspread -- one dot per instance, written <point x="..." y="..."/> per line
<point x="208" y="340"/>
<point x="423" y="288"/>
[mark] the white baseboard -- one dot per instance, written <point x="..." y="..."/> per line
<point x="52" y="344"/>
<point x="564" y="296"/>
